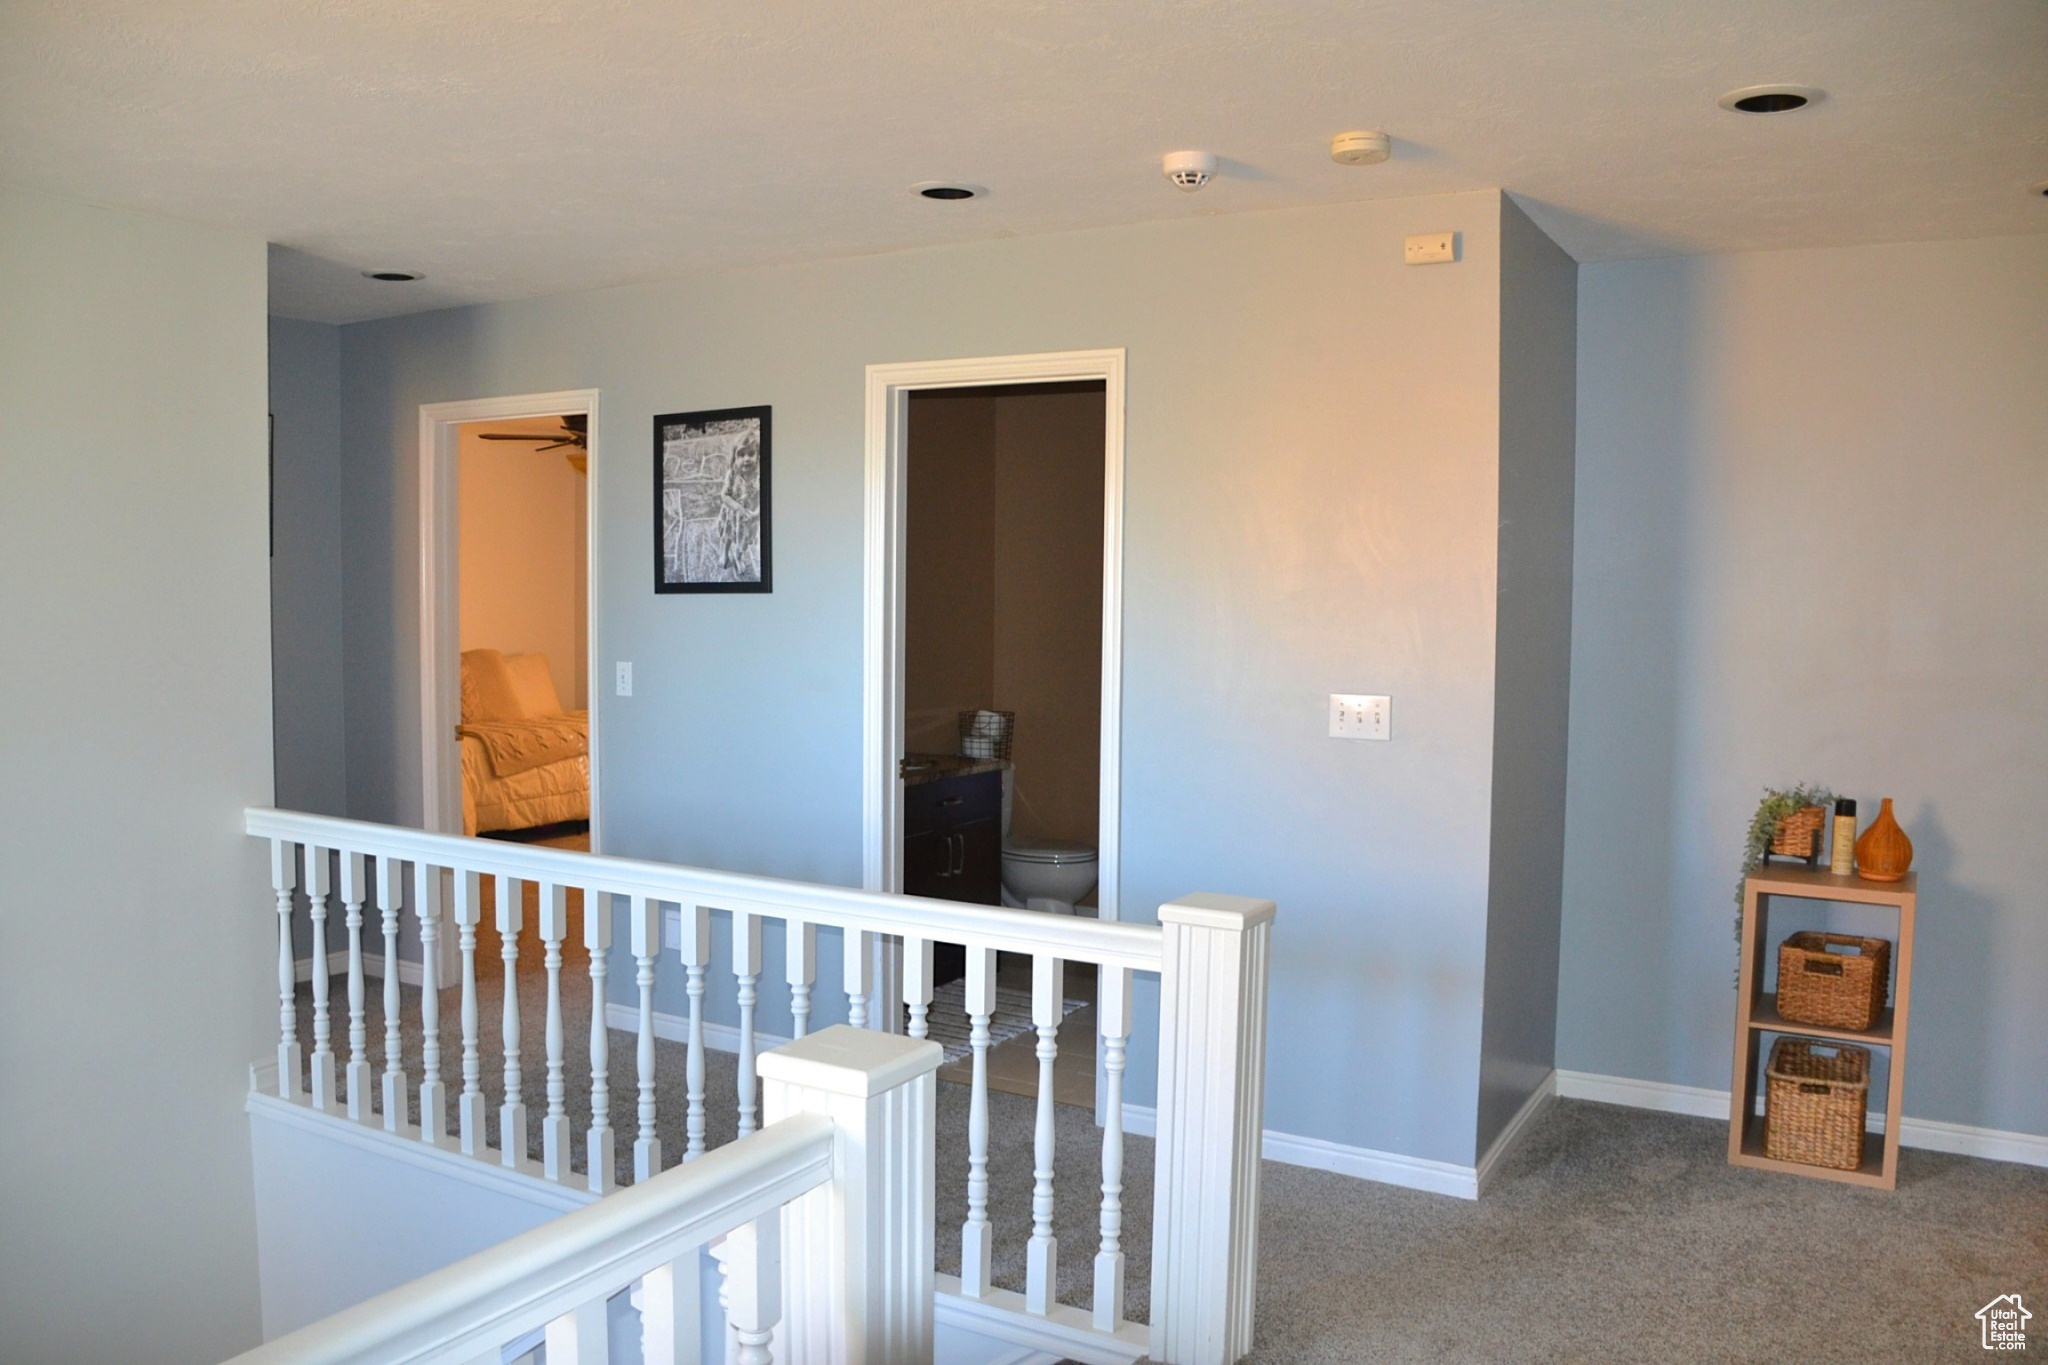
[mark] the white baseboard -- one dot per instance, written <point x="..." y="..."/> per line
<point x="373" y="965"/>
<point x="1933" y="1135"/>
<point x="1361" y="1163"/>
<point x="675" y="1028"/>
<point x="1532" y="1108"/>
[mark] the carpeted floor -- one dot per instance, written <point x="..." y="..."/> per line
<point x="1610" y="1234"/>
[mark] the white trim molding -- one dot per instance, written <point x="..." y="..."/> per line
<point x="888" y="391"/>
<point x="1932" y="1135"/>
<point x="409" y="973"/>
<point x="439" y="640"/>
<point x="1518" y="1127"/>
<point x="1360" y="1163"/>
<point x="675" y="1028"/>
<point x="1063" y="1331"/>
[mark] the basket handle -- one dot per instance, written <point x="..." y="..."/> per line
<point x="1823" y="966"/>
<point x="1814" y="1088"/>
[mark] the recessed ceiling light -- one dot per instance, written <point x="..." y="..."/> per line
<point x="1769" y="99"/>
<point x="947" y="190"/>
<point x="391" y="276"/>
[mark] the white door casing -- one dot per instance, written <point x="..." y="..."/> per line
<point x="888" y="391"/>
<point x="440" y="640"/>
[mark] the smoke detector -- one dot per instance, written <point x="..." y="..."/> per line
<point x="1189" y="171"/>
<point x="1360" y="148"/>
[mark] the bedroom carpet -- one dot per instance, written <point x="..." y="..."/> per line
<point x="1609" y="1235"/>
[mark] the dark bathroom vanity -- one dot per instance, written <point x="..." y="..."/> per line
<point x="952" y="838"/>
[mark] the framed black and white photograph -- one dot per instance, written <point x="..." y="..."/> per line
<point x="711" y="501"/>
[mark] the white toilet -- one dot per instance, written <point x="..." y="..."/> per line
<point x="1046" y="874"/>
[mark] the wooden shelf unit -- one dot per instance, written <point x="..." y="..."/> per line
<point x="1756" y="1014"/>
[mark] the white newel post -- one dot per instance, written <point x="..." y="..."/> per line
<point x="284" y="877"/>
<point x="1212" y="1054"/>
<point x="857" y="1274"/>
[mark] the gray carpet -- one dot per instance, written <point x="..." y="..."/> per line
<point x="1611" y="1234"/>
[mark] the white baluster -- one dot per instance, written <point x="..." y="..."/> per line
<point x="511" y="918"/>
<point x="858" y="971"/>
<point x="1113" y="1010"/>
<point x="1041" y="1254"/>
<point x="694" y="947"/>
<point x="354" y="886"/>
<point x="917" y="984"/>
<point x="469" y="1117"/>
<point x="671" y="1312"/>
<point x="976" y="1237"/>
<point x="284" y="875"/>
<point x="753" y="1264"/>
<point x="800" y="969"/>
<point x="554" y="1129"/>
<point x="323" y="1027"/>
<point x="426" y="907"/>
<point x="746" y="968"/>
<point x="720" y="1250"/>
<point x="390" y="897"/>
<point x="600" y="1158"/>
<point x="644" y="916"/>
<point x="581" y="1336"/>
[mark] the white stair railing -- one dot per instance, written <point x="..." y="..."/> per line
<point x="1209" y="952"/>
<point x="814" y="1188"/>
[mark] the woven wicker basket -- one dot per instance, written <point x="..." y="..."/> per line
<point x="1798" y="834"/>
<point x="1814" y="1096"/>
<point x="977" y="743"/>
<point x="1833" y="989"/>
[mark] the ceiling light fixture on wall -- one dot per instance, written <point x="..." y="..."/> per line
<point x="393" y="276"/>
<point x="946" y="191"/>
<point x="1770" y="99"/>
<point x="1362" y="148"/>
<point x="1190" y="170"/>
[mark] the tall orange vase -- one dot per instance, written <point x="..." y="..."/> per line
<point x="1883" y="853"/>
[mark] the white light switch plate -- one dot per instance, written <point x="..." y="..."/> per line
<point x="1432" y="248"/>
<point x="625" y="679"/>
<point x="1353" y="716"/>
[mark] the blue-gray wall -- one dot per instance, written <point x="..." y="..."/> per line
<point x="1531" y="667"/>
<point x="306" y="592"/>
<point x="135" y="924"/>
<point x="1812" y="487"/>
<point x="1312" y="507"/>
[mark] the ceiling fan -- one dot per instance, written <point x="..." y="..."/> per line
<point x="575" y="434"/>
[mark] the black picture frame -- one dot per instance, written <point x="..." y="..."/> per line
<point x="706" y="538"/>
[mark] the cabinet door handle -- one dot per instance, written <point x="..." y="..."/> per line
<point x="958" y="842"/>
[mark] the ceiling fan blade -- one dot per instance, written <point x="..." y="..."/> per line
<point x="511" y="436"/>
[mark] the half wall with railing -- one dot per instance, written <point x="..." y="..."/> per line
<point x="1209" y="954"/>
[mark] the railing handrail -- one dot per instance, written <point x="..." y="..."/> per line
<point x="468" y="1308"/>
<point x="1074" y="938"/>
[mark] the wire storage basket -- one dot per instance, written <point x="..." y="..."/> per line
<point x="986" y="734"/>
<point x="1814" y="1098"/>
<point x="1834" y="980"/>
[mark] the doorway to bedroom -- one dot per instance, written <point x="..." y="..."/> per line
<point x="507" y="739"/>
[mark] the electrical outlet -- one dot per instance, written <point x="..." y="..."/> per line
<point x="625" y="679"/>
<point x="1353" y="716"/>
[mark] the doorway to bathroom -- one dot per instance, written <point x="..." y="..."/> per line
<point x="994" y="652"/>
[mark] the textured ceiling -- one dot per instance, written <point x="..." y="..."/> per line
<point x="509" y="148"/>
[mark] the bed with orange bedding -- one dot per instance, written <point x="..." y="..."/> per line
<point x="525" y="761"/>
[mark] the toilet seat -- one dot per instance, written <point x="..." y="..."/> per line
<point x="1053" y="852"/>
